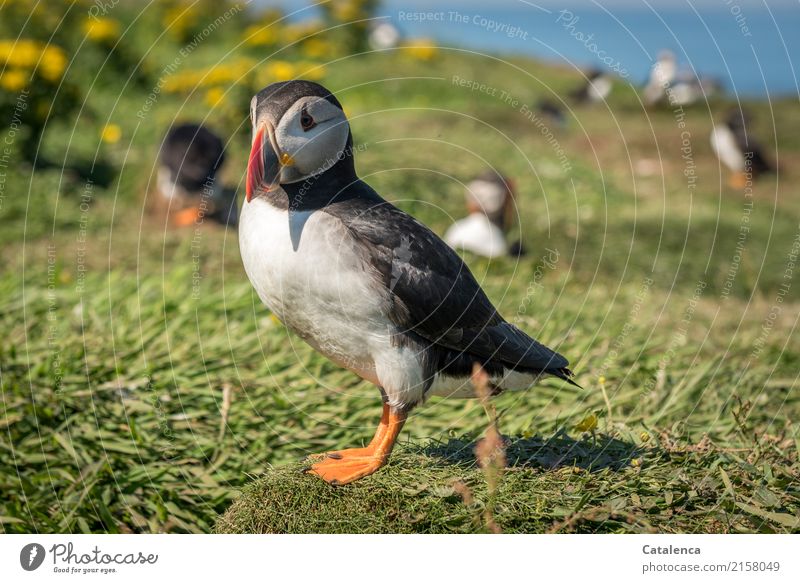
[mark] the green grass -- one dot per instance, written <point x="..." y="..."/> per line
<point x="114" y="414"/>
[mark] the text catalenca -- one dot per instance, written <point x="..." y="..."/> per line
<point x="670" y="550"/>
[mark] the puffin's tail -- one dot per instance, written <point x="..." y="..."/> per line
<point x="564" y="374"/>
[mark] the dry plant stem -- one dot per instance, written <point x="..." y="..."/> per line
<point x="490" y="451"/>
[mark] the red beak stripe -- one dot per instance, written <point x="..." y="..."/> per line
<point x="255" y="165"/>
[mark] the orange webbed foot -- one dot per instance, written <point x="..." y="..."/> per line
<point x="348" y="465"/>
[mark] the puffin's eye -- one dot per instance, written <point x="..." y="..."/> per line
<point x="306" y="121"/>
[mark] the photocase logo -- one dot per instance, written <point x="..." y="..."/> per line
<point x="31" y="556"/>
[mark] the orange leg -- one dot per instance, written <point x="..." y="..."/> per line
<point x="348" y="465"/>
<point x="738" y="180"/>
<point x="187" y="217"/>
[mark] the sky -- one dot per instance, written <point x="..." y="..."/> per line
<point x="763" y="58"/>
<point x="658" y="4"/>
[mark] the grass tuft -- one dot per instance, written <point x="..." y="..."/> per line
<point x="560" y="484"/>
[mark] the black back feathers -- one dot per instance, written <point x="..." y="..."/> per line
<point x="193" y="155"/>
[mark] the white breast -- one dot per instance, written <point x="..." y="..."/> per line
<point x="723" y="142"/>
<point x="477" y="234"/>
<point x="599" y="88"/>
<point x="304" y="268"/>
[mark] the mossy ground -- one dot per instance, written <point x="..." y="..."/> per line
<point x="593" y="484"/>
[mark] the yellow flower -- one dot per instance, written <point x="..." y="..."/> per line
<point x="347" y="11"/>
<point x="310" y="71"/>
<point x="280" y="70"/>
<point x="53" y="63"/>
<point x="101" y="29"/>
<point x="589" y="423"/>
<point x="22" y="53"/>
<point x="214" y="96"/>
<point x="601" y="380"/>
<point x="180" y="19"/>
<point x="294" y="32"/>
<point x="13" y="80"/>
<point x="50" y="59"/>
<point x="111" y="133"/>
<point x="259" y="35"/>
<point x="316" y="48"/>
<point x="422" y="49"/>
<point x="227" y="73"/>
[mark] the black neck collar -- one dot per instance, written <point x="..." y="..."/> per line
<point x="320" y="190"/>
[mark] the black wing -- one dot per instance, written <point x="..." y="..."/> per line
<point x="759" y="164"/>
<point x="432" y="291"/>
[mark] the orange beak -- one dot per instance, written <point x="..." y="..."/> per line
<point x="265" y="163"/>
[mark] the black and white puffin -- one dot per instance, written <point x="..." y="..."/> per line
<point x="552" y="112"/>
<point x="738" y="149"/>
<point x="597" y="87"/>
<point x="686" y="90"/>
<point x="490" y="206"/>
<point x="662" y="74"/>
<point x="361" y="281"/>
<point x="189" y="188"/>
<point x="689" y="89"/>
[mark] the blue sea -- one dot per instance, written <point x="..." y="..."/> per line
<point x="751" y="46"/>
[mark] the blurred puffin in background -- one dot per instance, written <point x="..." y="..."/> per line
<point x="490" y="204"/>
<point x="662" y="74"/>
<point x="689" y="89"/>
<point x="552" y="112"/>
<point x="189" y="189"/>
<point x="596" y="88"/>
<point x="735" y="146"/>
<point x="364" y="283"/>
<point x="383" y="35"/>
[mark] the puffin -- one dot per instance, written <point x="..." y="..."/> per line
<point x="490" y="199"/>
<point x="362" y="282"/>
<point x="597" y="87"/>
<point x="188" y="184"/>
<point x="738" y="149"/>
<point x="662" y="75"/>
<point x="687" y="89"/>
<point x="383" y="36"/>
<point x="552" y="112"/>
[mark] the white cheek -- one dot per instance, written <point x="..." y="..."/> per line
<point x="316" y="150"/>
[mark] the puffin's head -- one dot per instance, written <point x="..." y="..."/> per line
<point x="738" y="120"/>
<point x="299" y="130"/>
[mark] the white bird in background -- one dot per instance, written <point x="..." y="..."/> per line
<point x="189" y="187"/>
<point x="489" y="202"/>
<point x="661" y="77"/>
<point x="384" y="35"/>
<point x="686" y="90"/>
<point x="738" y="149"/>
<point x="597" y="87"/>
